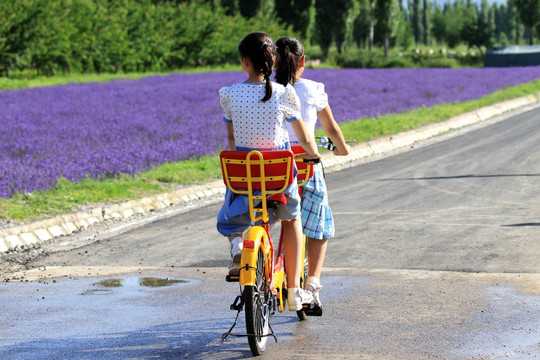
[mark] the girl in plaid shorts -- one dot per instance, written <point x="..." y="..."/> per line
<point x="317" y="220"/>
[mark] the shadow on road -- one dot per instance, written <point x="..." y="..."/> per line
<point x="196" y="339"/>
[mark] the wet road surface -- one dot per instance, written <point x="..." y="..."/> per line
<point x="369" y="314"/>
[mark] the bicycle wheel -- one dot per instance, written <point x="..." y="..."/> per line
<point x="258" y="310"/>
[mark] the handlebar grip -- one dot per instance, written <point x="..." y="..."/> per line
<point x="315" y="161"/>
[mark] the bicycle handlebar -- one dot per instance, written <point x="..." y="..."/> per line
<point x="326" y="142"/>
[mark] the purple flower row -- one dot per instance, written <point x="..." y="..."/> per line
<point x="127" y="126"/>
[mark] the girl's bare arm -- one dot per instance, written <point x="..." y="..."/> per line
<point x="331" y="128"/>
<point x="305" y="140"/>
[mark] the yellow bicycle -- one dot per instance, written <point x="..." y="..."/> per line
<point x="262" y="176"/>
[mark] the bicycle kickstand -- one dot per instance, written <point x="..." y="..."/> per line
<point x="237" y="305"/>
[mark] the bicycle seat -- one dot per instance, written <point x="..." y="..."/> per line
<point x="260" y="175"/>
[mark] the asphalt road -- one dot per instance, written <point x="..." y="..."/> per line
<point x="436" y="257"/>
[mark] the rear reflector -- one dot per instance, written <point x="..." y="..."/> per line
<point x="249" y="244"/>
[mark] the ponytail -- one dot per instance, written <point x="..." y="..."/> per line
<point x="268" y="89"/>
<point x="267" y="71"/>
<point x="290" y="52"/>
<point x="260" y="49"/>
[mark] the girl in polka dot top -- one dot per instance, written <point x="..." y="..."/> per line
<point x="256" y="113"/>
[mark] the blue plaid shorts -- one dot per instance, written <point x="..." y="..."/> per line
<point x="317" y="219"/>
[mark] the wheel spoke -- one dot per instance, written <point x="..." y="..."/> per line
<point x="257" y="310"/>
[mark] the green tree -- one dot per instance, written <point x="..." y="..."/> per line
<point x="331" y="19"/>
<point x="425" y="22"/>
<point x="51" y="46"/>
<point x="448" y="24"/>
<point x="477" y="35"/>
<point x="515" y="27"/>
<point x="112" y="40"/>
<point x="249" y="8"/>
<point x="361" y="25"/>
<point x="387" y="14"/>
<point x="372" y="20"/>
<point x="529" y="13"/>
<point x="82" y="15"/>
<point x="415" y="9"/>
<point x="149" y="30"/>
<point x="230" y="6"/>
<point x="18" y="29"/>
<point x="295" y="13"/>
<point x="404" y="33"/>
<point x="438" y="26"/>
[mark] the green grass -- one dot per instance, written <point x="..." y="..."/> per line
<point x="69" y="197"/>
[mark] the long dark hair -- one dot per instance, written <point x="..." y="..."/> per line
<point x="290" y="51"/>
<point x="260" y="49"/>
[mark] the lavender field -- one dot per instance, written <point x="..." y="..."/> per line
<point x="128" y="126"/>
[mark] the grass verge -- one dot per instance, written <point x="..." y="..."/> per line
<point x="23" y="80"/>
<point x="68" y="197"/>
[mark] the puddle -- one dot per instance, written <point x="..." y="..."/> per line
<point x="109" y="283"/>
<point x="105" y="287"/>
<point x="159" y="282"/>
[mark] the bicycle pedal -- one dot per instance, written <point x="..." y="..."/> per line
<point x="312" y="310"/>
<point x="238" y="303"/>
<point x="232" y="278"/>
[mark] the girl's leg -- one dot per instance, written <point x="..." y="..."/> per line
<point x="316" y="251"/>
<point x="236" y="246"/>
<point x="292" y="248"/>
<point x="231" y="237"/>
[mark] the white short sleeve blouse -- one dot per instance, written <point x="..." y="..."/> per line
<point x="259" y="125"/>
<point x="313" y="99"/>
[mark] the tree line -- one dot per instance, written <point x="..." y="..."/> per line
<point x="48" y="36"/>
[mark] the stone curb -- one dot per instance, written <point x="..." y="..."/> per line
<point x="28" y="235"/>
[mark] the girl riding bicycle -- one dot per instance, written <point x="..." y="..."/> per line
<point x="317" y="220"/>
<point x="256" y="112"/>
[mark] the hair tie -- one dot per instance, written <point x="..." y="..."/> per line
<point x="267" y="77"/>
<point x="265" y="43"/>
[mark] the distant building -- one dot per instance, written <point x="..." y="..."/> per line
<point x="512" y="56"/>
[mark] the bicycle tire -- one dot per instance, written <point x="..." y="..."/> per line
<point x="257" y="310"/>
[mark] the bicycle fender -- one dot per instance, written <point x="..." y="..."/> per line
<point x="258" y="236"/>
<point x="277" y="286"/>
